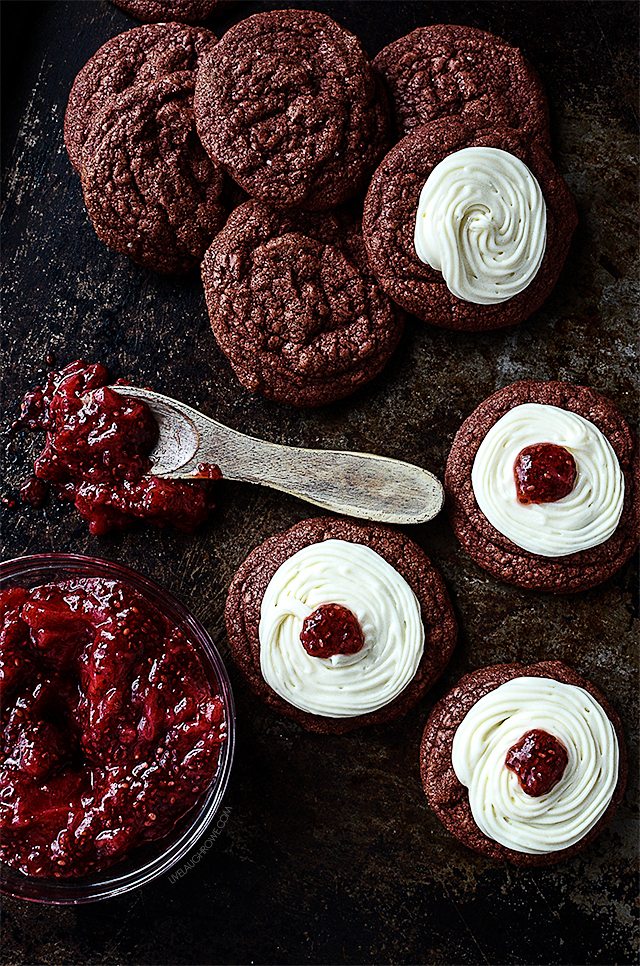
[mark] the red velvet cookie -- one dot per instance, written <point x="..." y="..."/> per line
<point x="151" y="191"/>
<point x="450" y="799"/>
<point x="496" y="552"/>
<point x="422" y="601"/>
<point x="389" y="221"/>
<point x="453" y="71"/>
<point x="294" y="306"/>
<point x="128" y="59"/>
<point x="157" y="11"/>
<point x="288" y="103"/>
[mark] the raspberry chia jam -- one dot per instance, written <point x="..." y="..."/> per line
<point x="112" y="725"/>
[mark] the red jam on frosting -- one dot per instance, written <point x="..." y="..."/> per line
<point x="97" y="451"/>
<point x="544" y="473"/>
<point x="331" y="629"/>
<point x="111" y="729"/>
<point x="539" y="760"/>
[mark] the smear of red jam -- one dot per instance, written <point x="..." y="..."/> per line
<point x="96" y="454"/>
<point x="111" y="729"/>
<point x="331" y="629"/>
<point x="35" y="492"/>
<point x="544" y="473"/>
<point x="539" y="760"/>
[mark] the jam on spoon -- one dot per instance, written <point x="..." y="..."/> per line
<point x="97" y="455"/>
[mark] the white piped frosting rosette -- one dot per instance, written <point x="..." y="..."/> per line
<point x="501" y="809"/>
<point x="482" y="222"/>
<point x="356" y="577"/>
<point x="585" y="518"/>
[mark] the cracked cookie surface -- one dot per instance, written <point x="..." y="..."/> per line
<point x="453" y="71"/>
<point x="390" y="216"/>
<point x="136" y="56"/>
<point x="242" y="612"/>
<point x="157" y="11"/>
<point x="151" y="191"/>
<point x="288" y="103"/>
<point x="495" y="552"/>
<point x="294" y="305"/>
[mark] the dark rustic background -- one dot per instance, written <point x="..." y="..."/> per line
<point x="331" y="853"/>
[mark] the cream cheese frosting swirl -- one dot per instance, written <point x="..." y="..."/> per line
<point x="500" y="808"/>
<point x="586" y="517"/>
<point x="482" y="222"/>
<point x="345" y="685"/>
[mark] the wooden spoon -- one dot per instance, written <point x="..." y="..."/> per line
<point x="354" y="484"/>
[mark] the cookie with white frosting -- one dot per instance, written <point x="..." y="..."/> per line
<point x="525" y="764"/>
<point x="339" y="624"/>
<point x="447" y="70"/>
<point x="543" y="483"/>
<point x="468" y="228"/>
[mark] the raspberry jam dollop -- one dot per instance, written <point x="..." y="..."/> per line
<point x="97" y="455"/>
<point x="111" y="729"/>
<point x="539" y="760"/>
<point x="331" y="629"/>
<point x="544" y="473"/>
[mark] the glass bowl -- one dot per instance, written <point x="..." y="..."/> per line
<point x="149" y="861"/>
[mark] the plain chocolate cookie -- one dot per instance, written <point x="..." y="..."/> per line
<point x="495" y="552"/>
<point x="462" y="72"/>
<point x="294" y="305"/>
<point x="157" y="11"/>
<point x="242" y="613"/>
<point x="288" y="103"/>
<point x="139" y="55"/>
<point x="150" y="189"/>
<point x="390" y="215"/>
<point x="449" y="798"/>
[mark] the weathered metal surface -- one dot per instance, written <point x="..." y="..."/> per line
<point x="330" y="852"/>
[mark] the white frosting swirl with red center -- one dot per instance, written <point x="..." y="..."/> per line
<point x="501" y="809"/>
<point x="586" y="517"/>
<point x="358" y="578"/>
<point x="482" y="222"/>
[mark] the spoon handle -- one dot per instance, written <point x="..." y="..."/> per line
<point x="353" y="484"/>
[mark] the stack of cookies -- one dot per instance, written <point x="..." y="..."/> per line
<point x="150" y="189"/>
<point x="419" y="182"/>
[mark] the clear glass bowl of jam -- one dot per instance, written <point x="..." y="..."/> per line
<point x="118" y="729"/>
